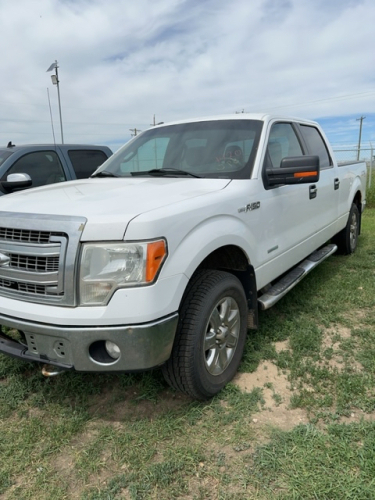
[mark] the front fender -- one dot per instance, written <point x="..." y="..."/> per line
<point x="203" y="239"/>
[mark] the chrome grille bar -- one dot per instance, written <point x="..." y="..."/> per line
<point x="34" y="263"/>
<point x="25" y="235"/>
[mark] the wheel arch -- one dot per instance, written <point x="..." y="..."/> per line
<point x="233" y="259"/>
<point x="221" y="243"/>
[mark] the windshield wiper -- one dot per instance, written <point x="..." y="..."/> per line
<point x="164" y="172"/>
<point x="104" y="173"/>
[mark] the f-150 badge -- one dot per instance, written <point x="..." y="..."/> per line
<point x="249" y="207"/>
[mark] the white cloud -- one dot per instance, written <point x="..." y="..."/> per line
<point x="121" y="62"/>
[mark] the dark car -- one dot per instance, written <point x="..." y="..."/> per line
<point x="36" y="165"/>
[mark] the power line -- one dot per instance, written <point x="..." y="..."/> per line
<point x="338" y="98"/>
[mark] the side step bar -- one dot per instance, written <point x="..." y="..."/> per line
<point x="293" y="277"/>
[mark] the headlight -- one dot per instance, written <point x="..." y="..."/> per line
<point x="105" y="267"/>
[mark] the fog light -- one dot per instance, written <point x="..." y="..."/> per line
<point x="112" y="349"/>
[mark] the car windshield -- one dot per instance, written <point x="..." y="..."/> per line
<point x="4" y="154"/>
<point x="214" y="149"/>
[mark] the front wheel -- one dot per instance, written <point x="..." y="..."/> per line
<point x="210" y="336"/>
<point x="347" y="239"/>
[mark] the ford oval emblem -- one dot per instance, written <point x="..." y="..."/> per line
<point x="4" y="259"/>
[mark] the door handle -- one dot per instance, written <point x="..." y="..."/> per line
<point x="313" y="191"/>
<point x="337" y="183"/>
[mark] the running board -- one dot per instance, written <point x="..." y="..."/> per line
<point x="290" y="280"/>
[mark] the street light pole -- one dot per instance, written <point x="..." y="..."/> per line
<point x="56" y="81"/>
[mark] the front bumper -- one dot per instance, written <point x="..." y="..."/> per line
<point x="83" y="348"/>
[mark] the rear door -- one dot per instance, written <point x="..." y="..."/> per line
<point x="328" y="187"/>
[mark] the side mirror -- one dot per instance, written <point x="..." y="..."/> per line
<point x="16" y="182"/>
<point x="294" y="170"/>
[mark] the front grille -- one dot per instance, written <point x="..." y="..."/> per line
<point x="24" y="235"/>
<point x="38" y="265"/>
<point x="34" y="263"/>
<point x="22" y="287"/>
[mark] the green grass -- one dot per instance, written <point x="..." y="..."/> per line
<point x="308" y="463"/>
<point x="370" y="195"/>
<point x="104" y="437"/>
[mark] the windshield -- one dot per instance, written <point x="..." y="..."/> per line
<point x="4" y="154"/>
<point x="215" y="149"/>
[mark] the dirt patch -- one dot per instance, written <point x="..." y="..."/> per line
<point x="269" y="378"/>
<point x="276" y="394"/>
<point x="333" y="335"/>
<point x="282" y="346"/>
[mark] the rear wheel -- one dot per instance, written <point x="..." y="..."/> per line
<point x="211" y="335"/>
<point x="347" y="239"/>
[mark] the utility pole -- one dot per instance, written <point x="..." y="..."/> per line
<point x="154" y="122"/>
<point x="360" y="135"/>
<point x="134" y="131"/>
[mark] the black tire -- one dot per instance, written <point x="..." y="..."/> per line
<point x="210" y="336"/>
<point x="347" y="239"/>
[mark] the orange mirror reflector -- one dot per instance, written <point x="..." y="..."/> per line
<point x="305" y="174"/>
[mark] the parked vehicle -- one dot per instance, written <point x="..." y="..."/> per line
<point x="164" y="256"/>
<point x="27" y="166"/>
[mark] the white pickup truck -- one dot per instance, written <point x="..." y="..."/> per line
<point x="164" y="256"/>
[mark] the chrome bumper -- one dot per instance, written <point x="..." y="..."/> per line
<point x="83" y="349"/>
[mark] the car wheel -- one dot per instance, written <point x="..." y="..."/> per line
<point x="210" y="337"/>
<point x="347" y="239"/>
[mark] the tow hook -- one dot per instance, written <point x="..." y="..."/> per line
<point x="51" y="371"/>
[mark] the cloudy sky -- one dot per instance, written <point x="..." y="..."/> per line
<point x="121" y="62"/>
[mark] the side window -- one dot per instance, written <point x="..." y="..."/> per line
<point x="149" y="155"/>
<point x="316" y="144"/>
<point x="86" y="161"/>
<point x="282" y="142"/>
<point x="44" y="167"/>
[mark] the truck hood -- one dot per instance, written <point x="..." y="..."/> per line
<point x="108" y="204"/>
